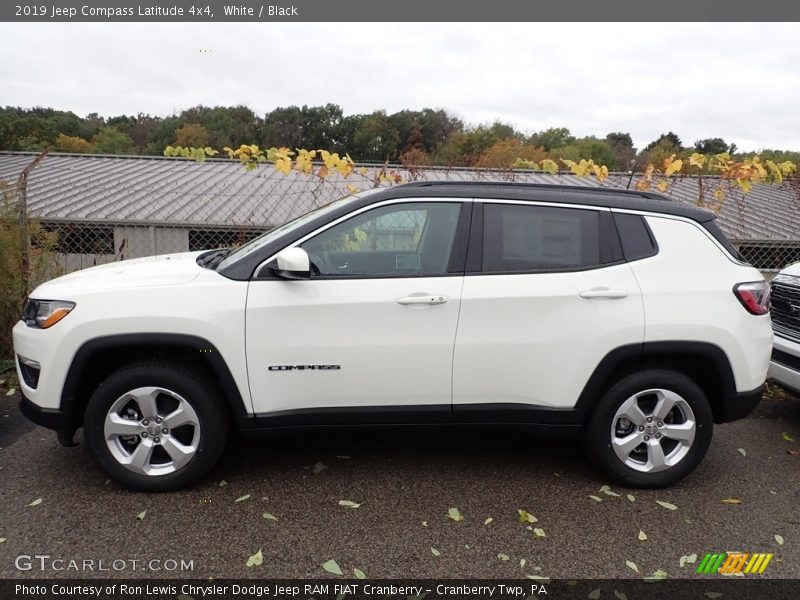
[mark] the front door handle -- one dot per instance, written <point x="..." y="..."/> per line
<point x="423" y="299"/>
<point x="603" y="293"/>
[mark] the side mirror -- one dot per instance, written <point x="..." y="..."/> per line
<point x="293" y="263"/>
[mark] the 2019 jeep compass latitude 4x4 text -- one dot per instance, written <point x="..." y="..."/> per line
<point x="621" y="316"/>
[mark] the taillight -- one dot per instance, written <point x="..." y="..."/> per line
<point x="754" y="296"/>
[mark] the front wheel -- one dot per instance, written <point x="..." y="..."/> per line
<point x="650" y="429"/>
<point x="156" y="427"/>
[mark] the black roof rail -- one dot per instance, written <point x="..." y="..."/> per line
<point x="542" y="186"/>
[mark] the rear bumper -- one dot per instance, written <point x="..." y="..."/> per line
<point x="740" y="406"/>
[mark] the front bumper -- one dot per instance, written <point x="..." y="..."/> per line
<point x="50" y="418"/>
<point x="784" y="368"/>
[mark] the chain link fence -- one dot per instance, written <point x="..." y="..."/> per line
<point x="88" y="211"/>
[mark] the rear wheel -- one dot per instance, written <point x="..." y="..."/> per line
<point x="651" y="428"/>
<point x="156" y="427"/>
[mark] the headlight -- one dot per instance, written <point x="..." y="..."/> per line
<point x="45" y="313"/>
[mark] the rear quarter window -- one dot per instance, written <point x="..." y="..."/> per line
<point x="635" y="236"/>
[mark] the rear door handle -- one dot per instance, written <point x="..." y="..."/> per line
<point x="603" y="293"/>
<point x="426" y="299"/>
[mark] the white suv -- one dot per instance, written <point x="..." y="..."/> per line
<point x="619" y="316"/>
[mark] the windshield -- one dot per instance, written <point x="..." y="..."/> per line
<point x="273" y="234"/>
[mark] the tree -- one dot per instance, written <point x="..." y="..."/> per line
<point x="621" y="145"/>
<point x="465" y="148"/>
<point x="377" y="139"/>
<point x="162" y="134"/>
<point x="554" y="137"/>
<point x="306" y="127"/>
<point x="192" y="134"/>
<point x="226" y="125"/>
<point x="665" y="140"/>
<point x="69" y="143"/>
<point x="110" y="140"/>
<point x="713" y="146"/>
<point x="589" y="148"/>
<point x="90" y="126"/>
<point x="503" y="154"/>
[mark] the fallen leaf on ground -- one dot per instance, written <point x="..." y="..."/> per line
<point x="619" y="595"/>
<point x="36" y="502"/>
<point x="332" y="567"/>
<point x="424" y="523"/>
<point x="631" y="497"/>
<point x="656" y="576"/>
<point x="503" y="557"/>
<point x="488" y="520"/>
<point x="667" y="505"/>
<point x="541" y="578"/>
<point x="269" y="517"/>
<point x="435" y="552"/>
<point x="359" y="574"/>
<point x="242" y="498"/>
<point x="538" y="532"/>
<point x="642" y="535"/>
<point x="713" y="595"/>
<point x="223" y="483"/>
<point x="606" y="489"/>
<point x="597" y="498"/>
<point x="3" y="540"/>
<point x="454" y="514"/>
<point x="787" y="437"/>
<point x="318" y="468"/>
<point x="594" y="594"/>
<point x="688" y="559"/>
<point x="632" y="565"/>
<point x="10" y="392"/>
<point x="141" y="515"/>
<point x="732" y="501"/>
<point x="526" y="517"/>
<point x="779" y="539"/>
<point x="349" y="504"/>
<point x="255" y="560"/>
<point x="742" y="451"/>
<point x="522" y="563"/>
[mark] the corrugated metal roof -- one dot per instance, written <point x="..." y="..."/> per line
<point x="221" y="193"/>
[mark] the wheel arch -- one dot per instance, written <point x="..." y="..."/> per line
<point x="705" y="363"/>
<point x="97" y="358"/>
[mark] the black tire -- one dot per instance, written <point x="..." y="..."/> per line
<point x="599" y="429"/>
<point x="197" y="390"/>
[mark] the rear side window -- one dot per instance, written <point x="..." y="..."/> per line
<point x="543" y="238"/>
<point x="636" y="238"/>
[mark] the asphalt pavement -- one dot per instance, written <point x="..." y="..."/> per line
<point x="281" y="496"/>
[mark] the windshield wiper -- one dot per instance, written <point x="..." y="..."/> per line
<point x="211" y="260"/>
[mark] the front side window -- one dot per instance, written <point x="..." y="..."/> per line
<point x="396" y="240"/>
<point x="542" y="238"/>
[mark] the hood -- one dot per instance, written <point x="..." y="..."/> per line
<point x="792" y="270"/>
<point x="168" y="269"/>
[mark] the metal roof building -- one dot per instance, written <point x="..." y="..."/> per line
<point x="107" y="207"/>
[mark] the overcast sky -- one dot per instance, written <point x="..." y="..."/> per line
<point x="740" y="82"/>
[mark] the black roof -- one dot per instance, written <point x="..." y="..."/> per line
<point x="542" y="192"/>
